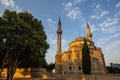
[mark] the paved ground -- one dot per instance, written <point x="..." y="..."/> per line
<point x="78" y="77"/>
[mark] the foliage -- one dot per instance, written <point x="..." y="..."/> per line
<point x="109" y="69"/>
<point x="23" y="41"/>
<point x="50" y="67"/>
<point x="86" y="59"/>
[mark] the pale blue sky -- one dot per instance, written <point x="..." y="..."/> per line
<point x="103" y="17"/>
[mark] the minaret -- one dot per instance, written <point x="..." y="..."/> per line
<point x="58" y="57"/>
<point x="88" y="33"/>
<point x="59" y="32"/>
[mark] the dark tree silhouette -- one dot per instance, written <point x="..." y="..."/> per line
<point x="86" y="59"/>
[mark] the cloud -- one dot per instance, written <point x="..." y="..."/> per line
<point x="98" y="12"/>
<point x="51" y="26"/>
<point x="95" y="17"/>
<point x="68" y="6"/>
<point x="77" y="1"/>
<point x="109" y="22"/>
<point x="103" y="13"/>
<point x="110" y="25"/>
<point x="74" y="13"/>
<point x="118" y="5"/>
<point x="49" y="20"/>
<point x="93" y="28"/>
<point x="108" y="30"/>
<point x="10" y="4"/>
<point x="97" y="6"/>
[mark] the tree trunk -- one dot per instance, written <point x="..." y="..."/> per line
<point x="10" y="73"/>
<point x="4" y="63"/>
<point x="12" y="68"/>
<point x="1" y="70"/>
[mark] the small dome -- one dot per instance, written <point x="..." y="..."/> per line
<point x="79" y="38"/>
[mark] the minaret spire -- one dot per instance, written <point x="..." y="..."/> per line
<point x="88" y="33"/>
<point x="59" y="22"/>
<point x="59" y="33"/>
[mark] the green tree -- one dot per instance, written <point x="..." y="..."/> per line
<point x="50" y="67"/>
<point x="109" y="69"/>
<point x="22" y="42"/>
<point x="86" y="59"/>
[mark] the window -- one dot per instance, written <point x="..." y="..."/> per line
<point x="70" y="68"/>
<point x="95" y="63"/>
<point x="79" y="67"/>
<point x="69" y="56"/>
<point x="78" y="55"/>
<point x="91" y="52"/>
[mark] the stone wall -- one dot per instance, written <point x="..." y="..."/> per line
<point x="26" y="73"/>
<point x="74" y="77"/>
<point x="85" y="77"/>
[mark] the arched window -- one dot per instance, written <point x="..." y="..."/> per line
<point x="79" y="67"/>
<point x="95" y="63"/>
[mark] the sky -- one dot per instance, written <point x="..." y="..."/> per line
<point x="103" y="17"/>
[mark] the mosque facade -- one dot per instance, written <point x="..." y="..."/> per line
<point x="70" y="61"/>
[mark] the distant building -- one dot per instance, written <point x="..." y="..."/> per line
<point x="70" y="61"/>
<point x="115" y="67"/>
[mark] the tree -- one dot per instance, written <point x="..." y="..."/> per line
<point x="109" y="69"/>
<point x="50" y="67"/>
<point x="23" y="41"/>
<point x="86" y="59"/>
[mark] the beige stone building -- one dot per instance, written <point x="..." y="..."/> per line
<point x="70" y="61"/>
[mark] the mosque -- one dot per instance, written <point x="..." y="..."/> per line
<point x="70" y="61"/>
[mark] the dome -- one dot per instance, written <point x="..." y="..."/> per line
<point x="80" y="38"/>
<point x="77" y="40"/>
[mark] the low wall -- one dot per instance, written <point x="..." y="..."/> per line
<point x="26" y="73"/>
<point x="85" y="77"/>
